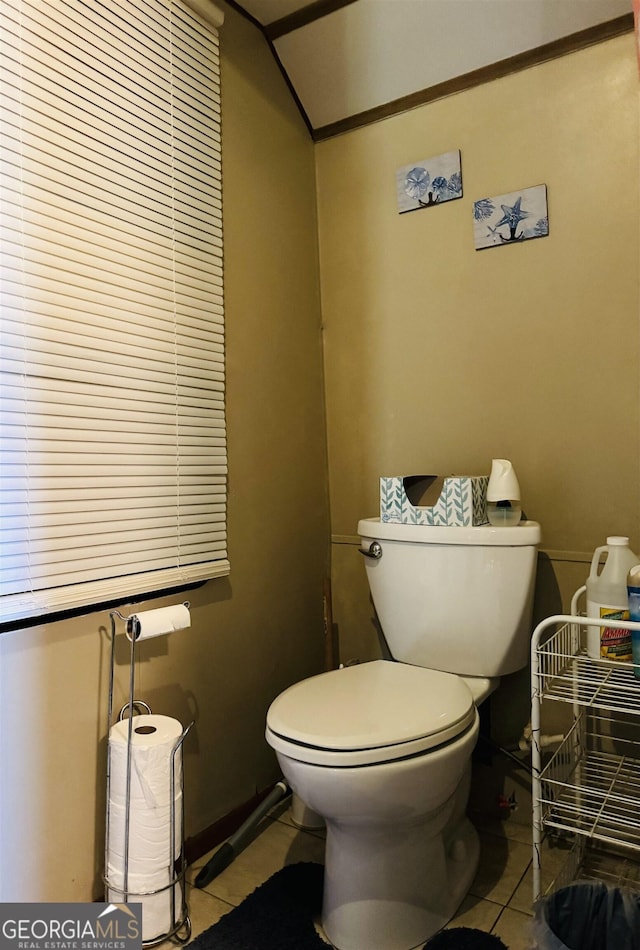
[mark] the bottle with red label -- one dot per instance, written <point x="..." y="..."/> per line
<point x="607" y="596"/>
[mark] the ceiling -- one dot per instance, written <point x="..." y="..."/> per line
<point x="349" y="62"/>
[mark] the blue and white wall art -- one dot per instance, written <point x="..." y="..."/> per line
<point x="429" y="182"/>
<point x="512" y="218"/>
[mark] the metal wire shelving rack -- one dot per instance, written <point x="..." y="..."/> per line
<point x="586" y="794"/>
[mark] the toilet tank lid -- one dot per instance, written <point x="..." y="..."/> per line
<point x="527" y="533"/>
<point x="372" y="705"/>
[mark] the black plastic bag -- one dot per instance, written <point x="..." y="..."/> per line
<point x="588" y="915"/>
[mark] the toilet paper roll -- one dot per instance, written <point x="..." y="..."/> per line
<point x="155" y="623"/>
<point x="153" y="739"/>
<point x="152" y="836"/>
<point x="161" y="912"/>
<point x="150" y="858"/>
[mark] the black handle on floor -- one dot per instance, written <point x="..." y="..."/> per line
<point x="220" y="860"/>
<point x="225" y="854"/>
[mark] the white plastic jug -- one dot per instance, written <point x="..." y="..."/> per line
<point x="607" y="597"/>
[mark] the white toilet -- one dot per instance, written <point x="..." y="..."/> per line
<point x="382" y="750"/>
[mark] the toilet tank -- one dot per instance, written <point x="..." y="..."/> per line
<point x="454" y="599"/>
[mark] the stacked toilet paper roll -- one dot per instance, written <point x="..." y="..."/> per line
<point x="150" y="874"/>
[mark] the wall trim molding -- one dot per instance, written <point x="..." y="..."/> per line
<point x="294" y="21"/>
<point x="477" y="77"/>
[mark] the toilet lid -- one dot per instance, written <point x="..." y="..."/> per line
<point x="381" y="709"/>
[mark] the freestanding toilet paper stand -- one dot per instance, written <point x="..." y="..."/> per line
<point x="180" y="928"/>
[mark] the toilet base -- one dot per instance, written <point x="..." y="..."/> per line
<point x="404" y="903"/>
<point x="303" y="817"/>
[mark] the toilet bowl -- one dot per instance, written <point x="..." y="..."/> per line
<point x="382" y="752"/>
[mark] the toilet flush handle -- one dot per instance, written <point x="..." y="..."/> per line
<point x="374" y="550"/>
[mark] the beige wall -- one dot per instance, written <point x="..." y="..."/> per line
<point x="436" y="359"/>
<point x="439" y="357"/>
<point x="253" y="633"/>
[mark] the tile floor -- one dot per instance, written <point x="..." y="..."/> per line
<point x="500" y="898"/>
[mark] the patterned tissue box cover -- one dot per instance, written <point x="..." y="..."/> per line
<point x="462" y="501"/>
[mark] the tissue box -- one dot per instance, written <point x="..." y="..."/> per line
<point x="456" y="500"/>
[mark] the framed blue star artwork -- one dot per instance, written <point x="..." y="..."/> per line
<point x="511" y="218"/>
<point x="429" y="182"/>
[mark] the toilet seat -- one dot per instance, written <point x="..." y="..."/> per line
<point x="370" y="713"/>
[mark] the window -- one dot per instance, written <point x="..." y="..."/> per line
<point x="113" y="462"/>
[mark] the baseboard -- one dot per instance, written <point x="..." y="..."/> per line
<point x="204" y="841"/>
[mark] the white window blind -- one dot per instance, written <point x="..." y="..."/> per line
<point x="113" y="457"/>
